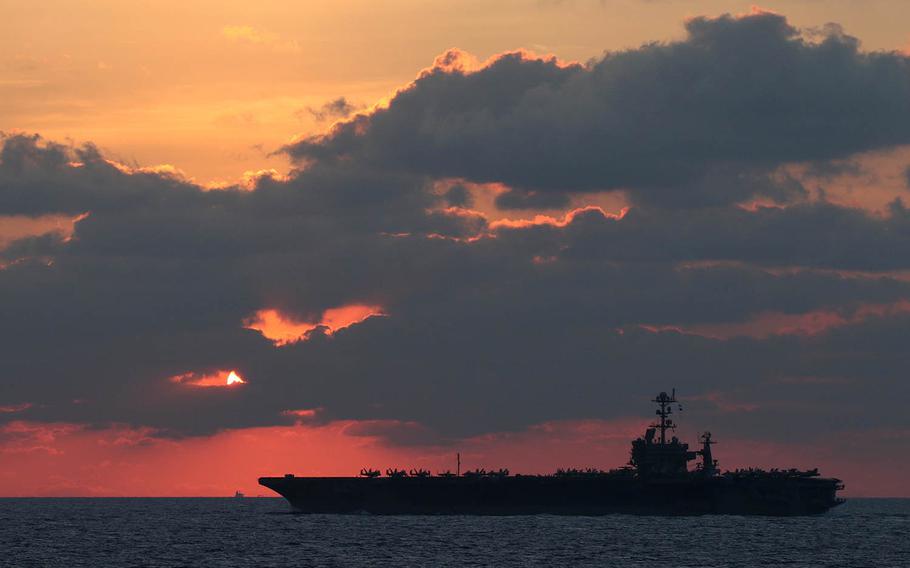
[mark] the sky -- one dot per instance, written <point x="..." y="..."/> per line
<point x="242" y="239"/>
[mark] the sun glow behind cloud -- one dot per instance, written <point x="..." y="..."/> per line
<point x="227" y="378"/>
<point x="283" y="329"/>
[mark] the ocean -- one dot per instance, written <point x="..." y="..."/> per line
<point x="261" y="532"/>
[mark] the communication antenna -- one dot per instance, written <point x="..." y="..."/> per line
<point x="665" y="402"/>
<point x="458" y="464"/>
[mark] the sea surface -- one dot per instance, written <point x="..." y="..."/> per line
<point x="261" y="532"/>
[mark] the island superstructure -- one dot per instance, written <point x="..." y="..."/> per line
<point x="657" y="480"/>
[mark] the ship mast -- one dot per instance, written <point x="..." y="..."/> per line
<point x="665" y="401"/>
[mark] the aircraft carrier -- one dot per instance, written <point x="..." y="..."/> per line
<point x="656" y="481"/>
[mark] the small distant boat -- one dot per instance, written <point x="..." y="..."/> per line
<point x="238" y="495"/>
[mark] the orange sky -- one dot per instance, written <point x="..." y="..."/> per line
<point x="214" y="87"/>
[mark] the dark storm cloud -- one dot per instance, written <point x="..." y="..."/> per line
<point x="458" y="196"/>
<point x="31" y="175"/>
<point x="336" y="108"/>
<point x="479" y="336"/>
<point x="817" y="235"/>
<point x="747" y="92"/>
<point x="530" y="199"/>
<point x="488" y="326"/>
<point x="833" y="169"/>
<point x="528" y="372"/>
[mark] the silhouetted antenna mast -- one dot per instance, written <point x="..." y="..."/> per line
<point x="458" y="464"/>
<point x="665" y="402"/>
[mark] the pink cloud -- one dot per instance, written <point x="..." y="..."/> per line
<point x="776" y="323"/>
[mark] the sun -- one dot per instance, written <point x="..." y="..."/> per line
<point x="234" y="379"/>
<point x="221" y="378"/>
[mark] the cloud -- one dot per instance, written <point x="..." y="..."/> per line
<point x="167" y="288"/>
<point x="31" y="171"/>
<point x="336" y="108"/>
<point x="282" y="330"/>
<point x="669" y="122"/>
<point x="256" y="36"/>
<point x="245" y="33"/>
<point x="458" y="196"/>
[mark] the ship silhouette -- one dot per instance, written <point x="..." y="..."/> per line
<point x="656" y="481"/>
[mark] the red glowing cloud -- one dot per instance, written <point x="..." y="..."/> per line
<point x="283" y="329"/>
<point x="767" y="324"/>
<point x="9" y="409"/>
<point x="554" y="222"/>
<point x="216" y="379"/>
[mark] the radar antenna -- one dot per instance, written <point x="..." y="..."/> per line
<point x="665" y="401"/>
<point x="709" y="464"/>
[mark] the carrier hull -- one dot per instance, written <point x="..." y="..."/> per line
<point x="528" y="495"/>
